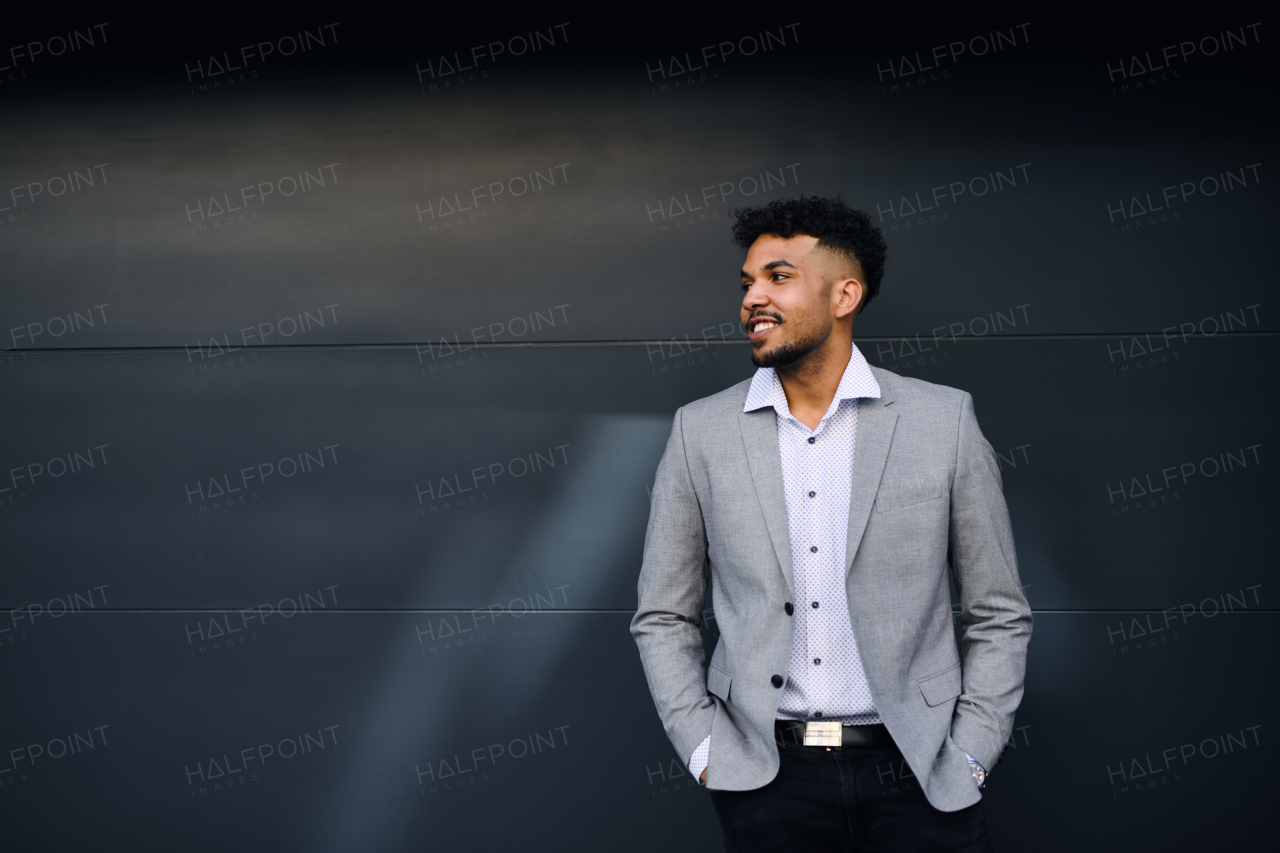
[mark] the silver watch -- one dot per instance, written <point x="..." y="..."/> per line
<point x="979" y="774"/>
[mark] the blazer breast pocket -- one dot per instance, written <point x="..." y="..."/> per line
<point x="942" y="687"/>
<point x="718" y="681"/>
<point x="888" y="501"/>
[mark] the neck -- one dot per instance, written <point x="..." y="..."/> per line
<point x="810" y="383"/>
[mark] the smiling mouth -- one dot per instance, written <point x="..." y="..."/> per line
<point x="761" y="325"/>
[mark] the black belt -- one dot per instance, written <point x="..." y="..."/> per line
<point x="792" y="733"/>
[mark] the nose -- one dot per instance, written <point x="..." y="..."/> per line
<point x="754" y="298"/>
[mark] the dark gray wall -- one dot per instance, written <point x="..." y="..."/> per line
<point x="307" y="504"/>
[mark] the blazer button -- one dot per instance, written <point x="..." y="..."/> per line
<point x="776" y="680"/>
<point x="787" y="607"/>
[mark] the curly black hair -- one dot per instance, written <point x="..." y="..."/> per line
<point x="836" y="225"/>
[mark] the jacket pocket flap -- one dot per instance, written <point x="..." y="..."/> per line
<point x="898" y="500"/>
<point x="942" y="687"/>
<point x="718" y="681"/>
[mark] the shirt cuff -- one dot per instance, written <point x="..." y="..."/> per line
<point x="698" y="762"/>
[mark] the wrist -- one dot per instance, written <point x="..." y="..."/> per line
<point x="976" y="770"/>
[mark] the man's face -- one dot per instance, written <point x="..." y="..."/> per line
<point x="787" y="306"/>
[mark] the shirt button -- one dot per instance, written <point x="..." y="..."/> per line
<point x="813" y="549"/>
<point x="811" y="494"/>
<point x="812" y="439"/>
<point x="817" y="713"/>
<point x="787" y="607"/>
<point x="815" y="605"/>
<point x="817" y="661"/>
<point x="776" y="681"/>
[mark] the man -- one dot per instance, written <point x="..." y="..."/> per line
<point x="824" y="501"/>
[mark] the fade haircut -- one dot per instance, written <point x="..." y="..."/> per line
<point x="838" y="227"/>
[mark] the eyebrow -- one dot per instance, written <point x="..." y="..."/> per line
<point x="773" y="265"/>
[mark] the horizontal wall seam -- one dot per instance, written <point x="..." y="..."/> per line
<point x="356" y="610"/>
<point x="637" y="343"/>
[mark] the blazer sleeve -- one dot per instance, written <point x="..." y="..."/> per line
<point x="673" y="583"/>
<point x="994" y="615"/>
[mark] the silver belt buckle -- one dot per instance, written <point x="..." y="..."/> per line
<point x="822" y="733"/>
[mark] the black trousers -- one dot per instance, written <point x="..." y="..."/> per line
<point x="860" y="799"/>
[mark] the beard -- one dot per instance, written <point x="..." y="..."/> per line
<point x="789" y="352"/>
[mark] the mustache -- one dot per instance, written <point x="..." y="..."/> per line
<point x="768" y="314"/>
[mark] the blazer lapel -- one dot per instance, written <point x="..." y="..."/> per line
<point x="760" y="436"/>
<point x="876" y="422"/>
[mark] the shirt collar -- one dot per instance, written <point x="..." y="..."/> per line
<point x="857" y="381"/>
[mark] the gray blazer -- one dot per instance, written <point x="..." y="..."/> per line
<point x="926" y="497"/>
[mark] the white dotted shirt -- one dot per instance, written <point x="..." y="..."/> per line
<point x="825" y="680"/>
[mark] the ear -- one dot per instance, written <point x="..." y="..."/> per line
<point x="846" y="297"/>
